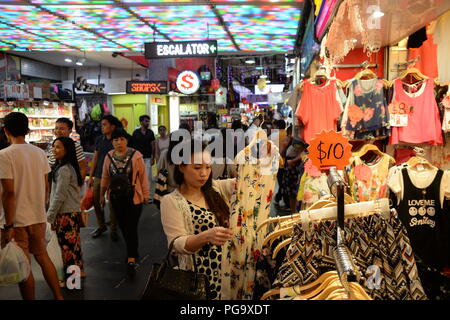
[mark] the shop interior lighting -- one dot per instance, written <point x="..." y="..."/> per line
<point x="254" y="27"/>
<point x="378" y="14"/>
<point x="79" y="63"/>
<point x="250" y="61"/>
<point x="68" y="60"/>
<point x="264" y="76"/>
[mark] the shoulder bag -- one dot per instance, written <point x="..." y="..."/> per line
<point x="168" y="283"/>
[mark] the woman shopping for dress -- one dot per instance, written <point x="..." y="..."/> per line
<point x="125" y="177"/>
<point x="196" y="214"/>
<point x="64" y="212"/>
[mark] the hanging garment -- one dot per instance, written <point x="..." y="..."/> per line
<point x="446" y="119"/>
<point x="250" y="206"/>
<point x="311" y="188"/>
<point x="380" y="248"/>
<point x="441" y="37"/>
<point x="366" y="113"/>
<point x="369" y="181"/>
<point x="319" y="108"/>
<point x="424" y="124"/>
<point x="417" y="38"/>
<point x="425" y="220"/>
<point x="427" y="55"/>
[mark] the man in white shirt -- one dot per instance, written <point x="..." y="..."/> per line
<point x="23" y="173"/>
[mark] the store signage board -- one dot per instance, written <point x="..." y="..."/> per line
<point x="181" y="49"/>
<point x="147" y="87"/>
<point x="188" y="82"/>
<point x="330" y="149"/>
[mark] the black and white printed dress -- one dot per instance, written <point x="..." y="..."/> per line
<point x="209" y="257"/>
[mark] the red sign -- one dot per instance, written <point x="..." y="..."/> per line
<point x="148" y="87"/>
<point x="330" y="149"/>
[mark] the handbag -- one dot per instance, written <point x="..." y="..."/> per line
<point x="167" y="283"/>
<point x="160" y="187"/>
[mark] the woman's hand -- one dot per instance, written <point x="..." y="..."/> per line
<point x="218" y="235"/>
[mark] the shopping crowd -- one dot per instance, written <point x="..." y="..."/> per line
<point x="42" y="191"/>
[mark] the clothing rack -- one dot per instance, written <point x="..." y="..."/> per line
<point x="344" y="262"/>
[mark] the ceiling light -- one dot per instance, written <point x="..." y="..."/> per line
<point x="250" y="61"/>
<point x="268" y="81"/>
<point x="263" y="76"/>
<point x="378" y="14"/>
<point x="68" y="60"/>
<point x="79" y="63"/>
<point x="259" y="67"/>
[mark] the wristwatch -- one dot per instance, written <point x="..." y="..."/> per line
<point x="8" y="226"/>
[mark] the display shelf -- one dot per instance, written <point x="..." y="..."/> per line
<point x="44" y="117"/>
<point x="42" y="128"/>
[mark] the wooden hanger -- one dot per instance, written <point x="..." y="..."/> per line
<point x="280" y="246"/>
<point x="413" y="162"/>
<point x="366" y="73"/>
<point x="414" y="72"/>
<point x="329" y="213"/>
<point x="371" y="147"/>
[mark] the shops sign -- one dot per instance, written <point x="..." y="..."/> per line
<point x="188" y="82"/>
<point x="147" y="87"/>
<point x="181" y="49"/>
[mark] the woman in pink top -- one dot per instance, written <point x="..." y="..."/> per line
<point x="318" y="109"/>
<point x="125" y="177"/>
<point x="424" y="124"/>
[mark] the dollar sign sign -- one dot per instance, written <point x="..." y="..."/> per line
<point x="185" y="80"/>
<point x="322" y="154"/>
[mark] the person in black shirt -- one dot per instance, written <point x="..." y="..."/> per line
<point x="103" y="144"/>
<point x="143" y="140"/>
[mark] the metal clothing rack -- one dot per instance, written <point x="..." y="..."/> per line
<point x="344" y="262"/>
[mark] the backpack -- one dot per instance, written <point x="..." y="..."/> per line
<point x="120" y="184"/>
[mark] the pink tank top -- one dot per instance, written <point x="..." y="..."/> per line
<point x="318" y="109"/>
<point x="424" y="124"/>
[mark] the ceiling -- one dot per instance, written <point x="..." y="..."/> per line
<point x="124" y="26"/>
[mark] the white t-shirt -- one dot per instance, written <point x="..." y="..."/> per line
<point x="420" y="179"/>
<point x="26" y="165"/>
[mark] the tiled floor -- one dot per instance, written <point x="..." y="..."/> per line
<point x="105" y="264"/>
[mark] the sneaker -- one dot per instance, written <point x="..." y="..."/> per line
<point x="98" y="232"/>
<point x="114" y="236"/>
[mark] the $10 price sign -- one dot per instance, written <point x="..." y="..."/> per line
<point x="330" y="149"/>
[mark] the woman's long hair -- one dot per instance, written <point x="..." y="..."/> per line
<point x="69" y="158"/>
<point x="216" y="203"/>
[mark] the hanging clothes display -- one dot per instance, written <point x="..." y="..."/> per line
<point x="366" y="113"/>
<point x="424" y="124"/>
<point x="420" y="192"/>
<point x="426" y="55"/>
<point x="313" y="185"/>
<point x="369" y="181"/>
<point x="441" y="37"/>
<point x="319" y="108"/>
<point x="380" y="248"/>
<point x="250" y="205"/>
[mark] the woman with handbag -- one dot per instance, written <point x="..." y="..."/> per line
<point x="196" y="214"/>
<point x="64" y="212"/>
<point x="125" y="177"/>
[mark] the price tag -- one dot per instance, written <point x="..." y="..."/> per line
<point x="398" y="120"/>
<point x="330" y="149"/>
<point x="398" y="113"/>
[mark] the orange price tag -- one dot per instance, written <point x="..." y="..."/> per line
<point x="330" y="149"/>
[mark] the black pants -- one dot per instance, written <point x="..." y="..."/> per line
<point x="280" y="194"/>
<point x="128" y="215"/>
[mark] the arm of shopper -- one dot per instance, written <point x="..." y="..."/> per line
<point x="157" y="152"/>
<point x="94" y="165"/>
<point x="104" y="185"/>
<point x="61" y="193"/>
<point x="153" y="152"/>
<point x="9" y="205"/>
<point x="47" y="190"/>
<point x="143" y="179"/>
